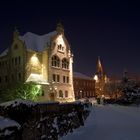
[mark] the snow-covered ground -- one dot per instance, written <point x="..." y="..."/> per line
<point x="110" y="122"/>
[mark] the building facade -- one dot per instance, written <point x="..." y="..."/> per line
<point x="44" y="59"/>
<point x="84" y="86"/>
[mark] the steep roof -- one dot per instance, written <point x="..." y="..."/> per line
<point x="37" y="42"/>
<point x="81" y="76"/>
<point x="34" y="42"/>
<point x="4" y="53"/>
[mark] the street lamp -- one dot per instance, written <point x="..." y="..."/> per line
<point x="81" y="93"/>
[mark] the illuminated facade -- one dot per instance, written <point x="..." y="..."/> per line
<point x="44" y="59"/>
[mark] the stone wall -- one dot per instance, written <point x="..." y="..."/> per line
<point x="46" y="121"/>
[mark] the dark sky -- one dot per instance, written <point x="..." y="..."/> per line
<point x="109" y="29"/>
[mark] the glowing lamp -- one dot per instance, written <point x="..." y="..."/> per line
<point x="34" y="60"/>
<point x="96" y="78"/>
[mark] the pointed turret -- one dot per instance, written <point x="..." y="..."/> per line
<point x="99" y="69"/>
<point x="100" y="79"/>
<point x="15" y="34"/>
<point x="60" y="28"/>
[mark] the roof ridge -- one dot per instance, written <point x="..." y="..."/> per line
<point x="38" y="34"/>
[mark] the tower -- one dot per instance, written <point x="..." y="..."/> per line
<point x="99" y="69"/>
<point x="100" y="78"/>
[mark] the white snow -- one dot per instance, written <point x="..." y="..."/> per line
<point x="5" y="122"/>
<point x="37" y="42"/>
<point x="4" y="53"/>
<point x="17" y="102"/>
<point x="110" y="122"/>
<point x="37" y="78"/>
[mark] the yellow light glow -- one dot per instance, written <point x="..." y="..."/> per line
<point x="34" y="60"/>
<point x="96" y="78"/>
<point x="60" y="40"/>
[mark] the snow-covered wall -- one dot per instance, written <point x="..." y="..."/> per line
<point x="45" y="120"/>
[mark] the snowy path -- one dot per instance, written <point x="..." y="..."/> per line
<point x="109" y="123"/>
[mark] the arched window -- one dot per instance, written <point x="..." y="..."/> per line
<point x="65" y="63"/>
<point x="55" y="61"/>
<point x="60" y="93"/>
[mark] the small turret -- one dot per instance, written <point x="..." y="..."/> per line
<point x="15" y="34"/>
<point x="60" y="28"/>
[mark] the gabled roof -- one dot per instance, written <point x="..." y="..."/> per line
<point x="34" y="42"/>
<point x="81" y="76"/>
<point x="37" y="42"/>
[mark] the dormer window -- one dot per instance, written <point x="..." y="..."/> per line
<point x="60" y="48"/>
<point x="60" y="43"/>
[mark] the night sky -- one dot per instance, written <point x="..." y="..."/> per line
<point x="110" y="30"/>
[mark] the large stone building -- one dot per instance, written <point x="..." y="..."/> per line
<point x="44" y="59"/>
<point x="84" y="86"/>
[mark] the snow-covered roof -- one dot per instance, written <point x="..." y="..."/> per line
<point x="37" y="42"/>
<point x="4" y="53"/>
<point x="80" y="75"/>
<point x="37" y="78"/>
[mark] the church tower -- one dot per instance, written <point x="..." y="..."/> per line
<point x="100" y="78"/>
<point x="99" y="69"/>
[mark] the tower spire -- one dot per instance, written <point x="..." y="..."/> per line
<point x="60" y="28"/>
<point x="99" y="67"/>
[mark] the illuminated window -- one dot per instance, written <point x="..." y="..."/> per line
<point x="66" y="93"/>
<point x="60" y="93"/>
<point x="65" y="63"/>
<point x="55" y="61"/>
